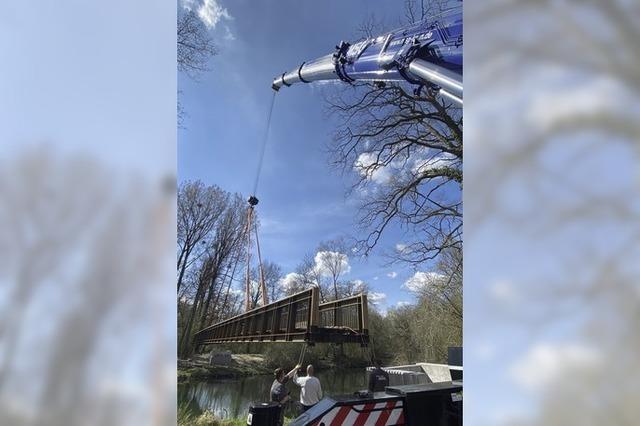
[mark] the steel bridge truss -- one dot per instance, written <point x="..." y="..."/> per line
<point x="297" y="318"/>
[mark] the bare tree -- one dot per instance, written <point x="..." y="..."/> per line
<point x="297" y="281"/>
<point x="225" y="245"/>
<point x="450" y="289"/>
<point x="306" y="276"/>
<point x="324" y="268"/>
<point x="355" y="287"/>
<point x="417" y="10"/>
<point x="226" y="305"/>
<point x="199" y="208"/>
<point x="369" y="26"/>
<point x="414" y="11"/>
<point x="204" y="275"/>
<point x="310" y="274"/>
<point x="272" y="281"/>
<point x="195" y="45"/>
<point x="272" y="277"/>
<point x="406" y="149"/>
<point x="217" y="219"/>
<point x="254" y="287"/>
<point x="444" y="287"/>
<point x="332" y="263"/>
<point x="194" y="49"/>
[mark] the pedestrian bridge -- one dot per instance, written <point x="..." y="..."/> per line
<point x="297" y="318"/>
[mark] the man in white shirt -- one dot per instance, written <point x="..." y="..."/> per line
<point x="310" y="392"/>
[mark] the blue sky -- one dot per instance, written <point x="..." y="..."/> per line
<point x="303" y="200"/>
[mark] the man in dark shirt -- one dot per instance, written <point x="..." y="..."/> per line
<point x="378" y="378"/>
<point x="279" y="392"/>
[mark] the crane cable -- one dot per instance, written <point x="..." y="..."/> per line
<point x="247" y="298"/>
<point x="248" y="229"/>
<point x="303" y="351"/>
<point x="263" y="146"/>
<point x="253" y="201"/>
<point x="263" y="287"/>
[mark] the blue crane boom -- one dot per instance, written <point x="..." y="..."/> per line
<point x="427" y="53"/>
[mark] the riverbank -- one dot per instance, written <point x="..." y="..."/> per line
<point x="241" y="365"/>
<point x="198" y="368"/>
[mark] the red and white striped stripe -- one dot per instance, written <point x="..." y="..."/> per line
<point x="390" y="413"/>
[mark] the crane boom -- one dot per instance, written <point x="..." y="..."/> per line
<point x="427" y="53"/>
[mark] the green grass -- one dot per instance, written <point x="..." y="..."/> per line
<point x="186" y="418"/>
<point x="208" y="419"/>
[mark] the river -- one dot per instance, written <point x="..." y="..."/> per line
<point x="231" y="398"/>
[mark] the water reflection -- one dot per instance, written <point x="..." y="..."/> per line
<point x="231" y="398"/>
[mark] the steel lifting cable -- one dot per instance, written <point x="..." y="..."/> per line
<point x="264" y="145"/>
<point x="303" y="351"/>
<point x="372" y="351"/>
<point x="252" y="202"/>
<point x="248" y="276"/>
<point x="369" y="347"/>
<point x="263" y="287"/>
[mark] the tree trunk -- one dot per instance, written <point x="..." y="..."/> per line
<point x="183" y="268"/>
<point x="207" y="303"/>
<point x="184" y="344"/>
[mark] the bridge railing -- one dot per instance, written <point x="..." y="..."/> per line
<point x="286" y="320"/>
<point x="296" y="318"/>
<point x="350" y="313"/>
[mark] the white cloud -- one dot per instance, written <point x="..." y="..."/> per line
<point x="210" y="12"/>
<point x="421" y="280"/>
<point x="366" y="166"/>
<point x="236" y="292"/>
<point x="376" y="278"/>
<point x="546" y="363"/>
<point x="422" y="165"/>
<point x="403" y="304"/>
<point x="392" y="274"/>
<point x="228" y="35"/>
<point x="326" y="261"/>
<point x="188" y="4"/>
<point x="402" y="248"/>
<point x="358" y="286"/>
<point x="290" y="281"/>
<point x="376" y="298"/>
